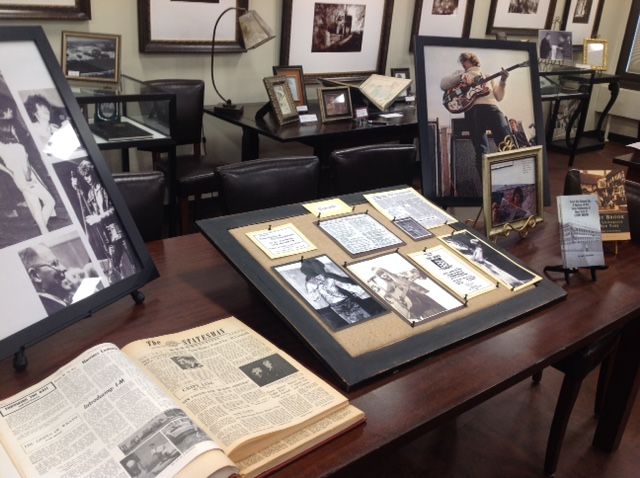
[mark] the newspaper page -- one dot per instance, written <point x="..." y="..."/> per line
<point x="359" y="233"/>
<point x="236" y="385"/>
<point x="407" y="202"/>
<point x="100" y="415"/>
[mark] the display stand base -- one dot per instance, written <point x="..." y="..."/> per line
<point x="568" y="272"/>
<point x="20" y="360"/>
<point x="137" y="296"/>
<point x="264" y="109"/>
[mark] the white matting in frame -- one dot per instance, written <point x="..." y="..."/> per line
<point x="520" y="17"/>
<point x="582" y="18"/>
<point x="444" y="18"/>
<point x="370" y="22"/>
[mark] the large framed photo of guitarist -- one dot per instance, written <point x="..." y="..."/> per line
<point x="485" y="97"/>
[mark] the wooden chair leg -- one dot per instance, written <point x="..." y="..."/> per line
<point x="603" y="380"/>
<point x="185" y="215"/>
<point x="567" y="398"/>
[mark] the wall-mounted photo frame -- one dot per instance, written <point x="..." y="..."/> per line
<point x="335" y="103"/>
<point x="295" y="76"/>
<point x="443" y="18"/>
<point x="402" y="73"/>
<point x="595" y="53"/>
<point x="520" y="17"/>
<point x="69" y="245"/>
<point x="50" y="10"/>
<point x="281" y="99"/>
<point x="555" y="46"/>
<point x="474" y="119"/>
<point x="582" y="19"/>
<point x="91" y="56"/>
<point x="348" y="38"/>
<point x="167" y="26"/>
<point x="513" y="195"/>
<point x="628" y="68"/>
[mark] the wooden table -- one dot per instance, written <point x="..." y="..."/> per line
<point x="322" y="137"/>
<point x="198" y="286"/>
<point x="632" y="161"/>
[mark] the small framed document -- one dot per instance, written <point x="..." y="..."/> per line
<point x="328" y="208"/>
<point x="281" y="241"/>
<point x="409" y="291"/>
<point x="407" y="202"/>
<point x="412" y="228"/>
<point x="360" y="233"/>
<point x="453" y="272"/>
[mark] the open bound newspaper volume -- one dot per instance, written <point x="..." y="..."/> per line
<point x="380" y="90"/>
<point x="214" y="401"/>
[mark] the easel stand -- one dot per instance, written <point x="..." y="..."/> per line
<point x="568" y="272"/>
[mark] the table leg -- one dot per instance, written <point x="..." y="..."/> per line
<point x="171" y="188"/>
<point x="614" y="89"/>
<point x="621" y="390"/>
<point x="124" y="156"/>
<point x="250" y="144"/>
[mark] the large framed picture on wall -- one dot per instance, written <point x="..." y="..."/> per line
<point x="582" y="19"/>
<point x="485" y="97"/>
<point x="520" y="17"/>
<point x="443" y="18"/>
<point x="333" y="39"/>
<point x="68" y="244"/>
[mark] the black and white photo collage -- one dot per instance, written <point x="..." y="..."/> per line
<point x="59" y="233"/>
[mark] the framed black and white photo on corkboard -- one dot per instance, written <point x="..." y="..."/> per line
<point x="167" y="26"/>
<point x="91" y="56"/>
<point x="501" y="112"/>
<point x="281" y="99"/>
<point x="295" y="76"/>
<point x="512" y="199"/>
<point x="443" y="18"/>
<point x="69" y="245"/>
<point x="335" y="39"/>
<point x="520" y="17"/>
<point x="49" y="10"/>
<point x="582" y="19"/>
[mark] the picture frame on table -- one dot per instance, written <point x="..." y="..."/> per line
<point x="442" y="18"/>
<point x="513" y="192"/>
<point x="52" y="10"/>
<point x="520" y="17"/>
<point x="555" y="46"/>
<point x="595" y="53"/>
<point x="326" y="39"/>
<point x="91" y="56"/>
<point x="281" y="99"/>
<point x="166" y="26"/>
<point x="402" y="73"/>
<point x="295" y="76"/>
<point x="335" y="103"/>
<point x="454" y="176"/>
<point x="582" y="19"/>
<point x="96" y="259"/>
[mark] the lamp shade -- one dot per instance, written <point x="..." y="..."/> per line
<point x="254" y="30"/>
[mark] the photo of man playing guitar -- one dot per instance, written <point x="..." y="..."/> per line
<point x="469" y="91"/>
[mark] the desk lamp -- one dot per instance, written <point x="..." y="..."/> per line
<point x="255" y="32"/>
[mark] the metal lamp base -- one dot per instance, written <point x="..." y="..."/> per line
<point x="229" y="109"/>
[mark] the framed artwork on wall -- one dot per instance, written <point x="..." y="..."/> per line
<point x="50" y="10"/>
<point x="520" y="17"/>
<point x="348" y="38"/>
<point x="167" y="26"/>
<point x="91" y="56"/>
<point x="582" y="19"/>
<point x="501" y="113"/>
<point x="443" y="18"/>
<point x="69" y="245"/>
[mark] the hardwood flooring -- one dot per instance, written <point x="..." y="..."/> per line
<point x="506" y="436"/>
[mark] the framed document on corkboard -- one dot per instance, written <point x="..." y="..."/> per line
<point x="368" y="310"/>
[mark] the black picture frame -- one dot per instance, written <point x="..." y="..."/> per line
<point x="29" y="46"/>
<point x="81" y="10"/>
<point x="425" y="22"/>
<point x="326" y="64"/>
<point x="348" y="370"/>
<point x="629" y="70"/>
<point x="582" y="28"/>
<point x="456" y="180"/>
<point x="504" y="17"/>
<point x="147" y="43"/>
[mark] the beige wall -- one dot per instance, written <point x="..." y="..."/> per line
<point x="239" y="76"/>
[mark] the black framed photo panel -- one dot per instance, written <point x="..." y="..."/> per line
<point x="484" y="97"/>
<point x="68" y="244"/>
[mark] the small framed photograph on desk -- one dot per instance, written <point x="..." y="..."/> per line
<point x="295" y="78"/>
<point x="335" y="103"/>
<point x="281" y="99"/>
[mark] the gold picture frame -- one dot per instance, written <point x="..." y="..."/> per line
<point x="513" y="198"/>
<point x="91" y="56"/>
<point x="335" y="103"/>
<point x="595" y="53"/>
<point x="281" y="99"/>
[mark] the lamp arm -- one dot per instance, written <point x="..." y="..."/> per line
<point x="213" y="44"/>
